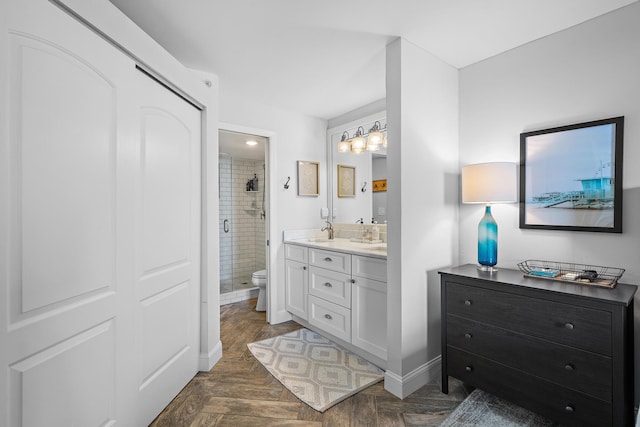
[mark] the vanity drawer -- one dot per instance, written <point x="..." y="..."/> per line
<point x="579" y="370"/>
<point x="573" y="325"/>
<point x="330" y="317"/>
<point x="566" y="406"/>
<point x="336" y="261"/>
<point x="330" y="285"/>
<point x="296" y="253"/>
<point x="369" y="267"/>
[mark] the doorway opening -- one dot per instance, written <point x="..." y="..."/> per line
<point x="243" y="207"/>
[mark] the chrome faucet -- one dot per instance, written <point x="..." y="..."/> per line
<point x="329" y="229"/>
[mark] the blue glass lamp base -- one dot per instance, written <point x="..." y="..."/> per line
<point x="487" y="242"/>
<point x="487" y="268"/>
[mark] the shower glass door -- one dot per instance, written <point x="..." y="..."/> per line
<point x="242" y="222"/>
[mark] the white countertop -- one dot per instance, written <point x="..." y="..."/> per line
<point x="377" y="250"/>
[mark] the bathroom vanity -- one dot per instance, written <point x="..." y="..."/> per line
<point x="339" y="288"/>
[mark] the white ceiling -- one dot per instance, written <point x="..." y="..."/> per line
<point x="234" y="144"/>
<point x="325" y="58"/>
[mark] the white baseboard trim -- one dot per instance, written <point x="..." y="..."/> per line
<point x="207" y="361"/>
<point x="280" y="316"/>
<point x="403" y="386"/>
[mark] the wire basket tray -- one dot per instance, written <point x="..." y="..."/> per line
<point x="586" y="274"/>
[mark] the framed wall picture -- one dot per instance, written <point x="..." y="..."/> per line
<point x="308" y="178"/>
<point x="346" y="181"/>
<point x="571" y="177"/>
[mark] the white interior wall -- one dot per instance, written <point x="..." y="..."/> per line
<point x="293" y="136"/>
<point x="422" y="164"/>
<point x="584" y="73"/>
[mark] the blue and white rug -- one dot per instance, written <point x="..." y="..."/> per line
<point x="316" y="370"/>
<point x="481" y="409"/>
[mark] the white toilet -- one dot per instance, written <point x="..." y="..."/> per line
<point x="259" y="278"/>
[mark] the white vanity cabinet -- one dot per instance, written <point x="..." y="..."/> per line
<point x="296" y="279"/>
<point x="342" y="294"/>
<point x="369" y="305"/>
<point x="330" y="292"/>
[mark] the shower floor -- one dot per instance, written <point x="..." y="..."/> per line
<point x="238" y="283"/>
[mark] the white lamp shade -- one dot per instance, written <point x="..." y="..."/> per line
<point x="489" y="183"/>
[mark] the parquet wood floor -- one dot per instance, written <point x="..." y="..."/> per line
<point x="240" y="392"/>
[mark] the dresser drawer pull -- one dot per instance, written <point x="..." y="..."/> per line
<point x="467" y="302"/>
<point x="328" y="259"/>
<point x="569" y="409"/>
<point x="468" y="336"/>
<point x="568" y="325"/>
<point x="569" y="367"/>
<point x="328" y="285"/>
<point x="328" y="317"/>
<point x="468" y="368"/>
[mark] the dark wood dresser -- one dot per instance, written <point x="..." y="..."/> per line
<point x="562" y="350"/>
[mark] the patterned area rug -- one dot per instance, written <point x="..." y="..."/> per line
<point x="317" y="371"/>
<point x="481" y="409"/>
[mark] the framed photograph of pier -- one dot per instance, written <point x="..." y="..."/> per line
<point x="571" y="177"/>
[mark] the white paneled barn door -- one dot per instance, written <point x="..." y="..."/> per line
<point x="168" y="245"/>
<point x="100" y="219"/>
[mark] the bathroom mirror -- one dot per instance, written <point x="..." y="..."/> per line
<point x="368" y="167"/>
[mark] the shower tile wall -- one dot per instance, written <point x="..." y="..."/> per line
<point x="226" y="212"/>
<point x="242" y="250"/>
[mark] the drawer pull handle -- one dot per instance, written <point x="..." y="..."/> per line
<point x="304" y="268"/>
<point x="328" y="317"/>
<point x="328" y="285"/>
<point x="467" y="302"/>
<point x="569" y="367"/>
<point x="468" y="336"/>
<point x="353" y="280"/>
<point x="328" y="259"/>
<point x="568" y="325"/>
<point x="569" y="409"/>
<point x="468" y="368"/>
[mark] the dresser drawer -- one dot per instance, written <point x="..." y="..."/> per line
<point x="580" y="327"/>
<point x="566" y="406"/>
<point x="330" y="260"/>
<point x="330" y="285"/>
<point x="330" y="317"/>
<point x="579" y="370"/>
<point x="296" y="253"/>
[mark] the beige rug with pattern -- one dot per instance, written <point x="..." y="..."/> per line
<point x="317" y="371"/>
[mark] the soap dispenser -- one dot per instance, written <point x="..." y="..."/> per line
<point x="375" y="232"/>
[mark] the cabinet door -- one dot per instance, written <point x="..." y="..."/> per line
<point x="369" y="316"/>
<point x="297" y="287"/>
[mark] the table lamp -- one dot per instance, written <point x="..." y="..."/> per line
<point x="489" y="183"/>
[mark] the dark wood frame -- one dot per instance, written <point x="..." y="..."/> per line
<point x="617" y="184"/>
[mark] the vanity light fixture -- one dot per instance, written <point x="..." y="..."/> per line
<point x="344" y="146"/>
<point x="361" y="141"/>
<point x="251" y="143"/>
<point x="358" y="143"/>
